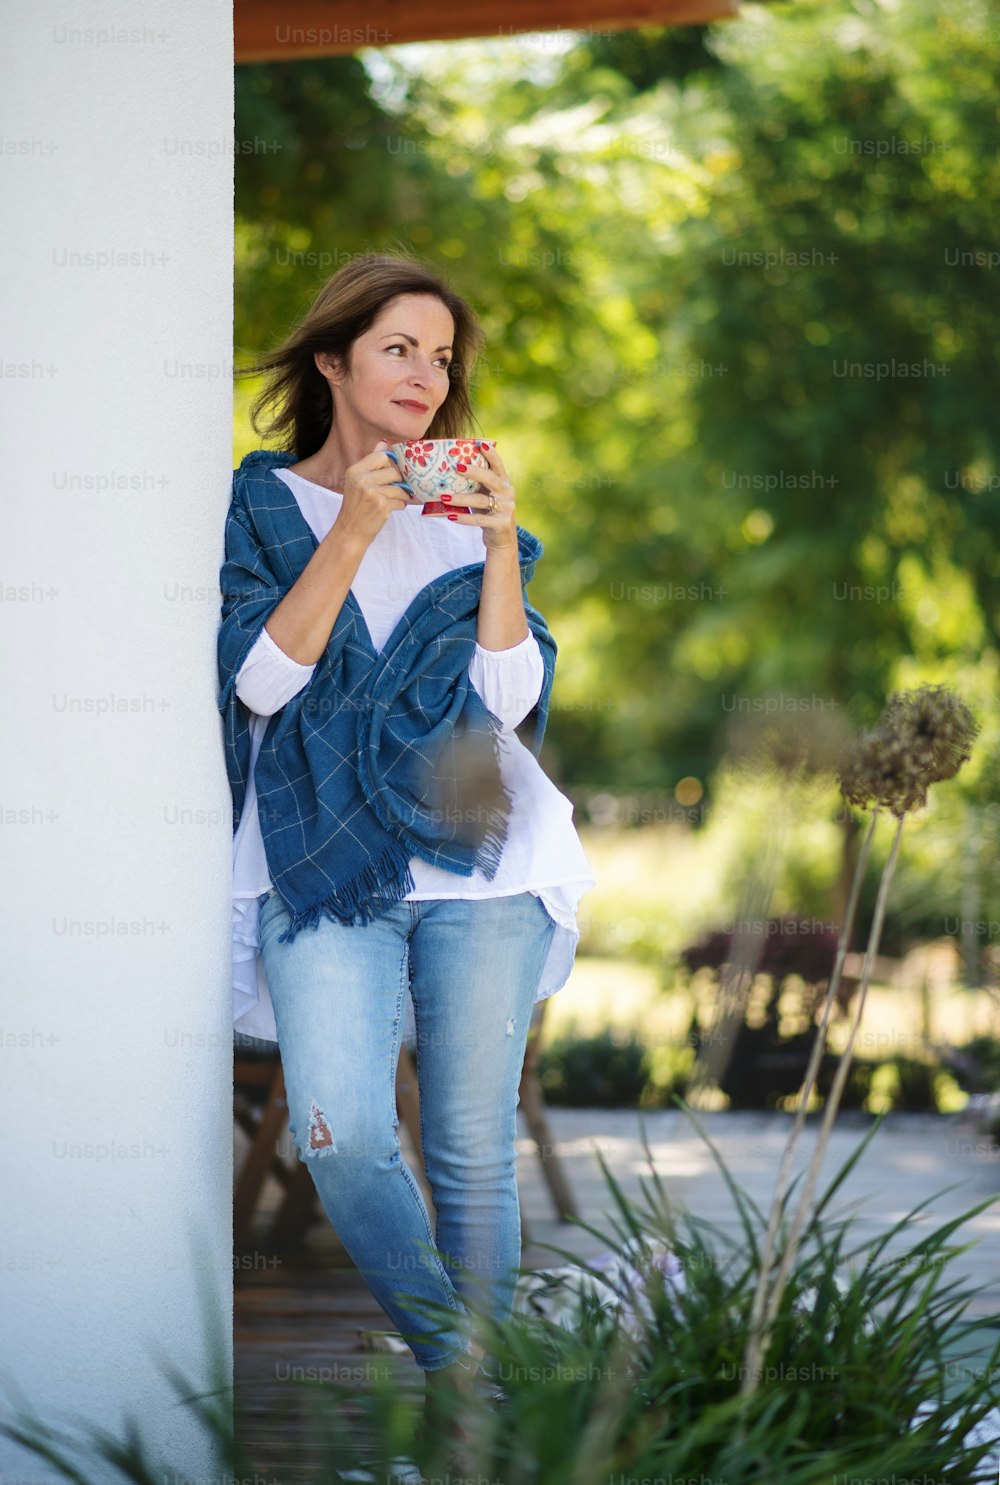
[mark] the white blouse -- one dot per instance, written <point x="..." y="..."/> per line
<point x="542" y="853"/>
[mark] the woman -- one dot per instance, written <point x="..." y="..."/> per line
<point x="375" y="665"/>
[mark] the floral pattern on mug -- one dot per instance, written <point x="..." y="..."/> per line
<point x="431" y="465"/>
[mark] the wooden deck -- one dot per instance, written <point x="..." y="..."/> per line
<point x="295" y="1337"/>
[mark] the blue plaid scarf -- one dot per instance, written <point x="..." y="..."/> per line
<point x="382" y="755"/>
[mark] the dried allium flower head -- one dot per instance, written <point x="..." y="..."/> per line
<point x="878" y="768"/>
<point x="922" y="737"/>
<point x="937" y="727"/>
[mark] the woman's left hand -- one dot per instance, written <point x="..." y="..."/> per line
<point x="500" y="528"/>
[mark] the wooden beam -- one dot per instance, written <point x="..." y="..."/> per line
<point x="274" y="31"/>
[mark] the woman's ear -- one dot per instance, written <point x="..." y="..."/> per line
<point x="328" y="365"/>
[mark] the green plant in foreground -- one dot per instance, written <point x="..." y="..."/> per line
<point x="872" y="1369"/>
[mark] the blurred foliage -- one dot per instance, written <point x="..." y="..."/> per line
<point x="913" y="1085"/>
<point x="728" y="514"/>
<point x="662" y="884"/>
<point x="648" y="55"/>
<point x="975" y="1065"/>
<point x="618" y="1070"/>
<point x="606" y="1071"/>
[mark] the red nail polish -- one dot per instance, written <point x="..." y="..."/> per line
<point x="446" y="498"/>
<point x="453" y="515"/>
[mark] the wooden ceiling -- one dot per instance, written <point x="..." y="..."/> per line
<point x="281" y="30"/>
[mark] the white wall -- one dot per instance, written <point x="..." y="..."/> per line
<point x="115" y="824"/>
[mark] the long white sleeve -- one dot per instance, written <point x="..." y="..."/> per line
<point x="509" y="681"/>
<point x="268" y="677"/>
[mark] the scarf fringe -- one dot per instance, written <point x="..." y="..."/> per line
<point x="490" y="852"/>
<point x="379" y="885"/>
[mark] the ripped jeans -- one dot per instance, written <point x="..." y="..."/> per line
<point x="473" y="966"/>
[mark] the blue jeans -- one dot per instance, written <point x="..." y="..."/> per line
<point x="473" y="967"/>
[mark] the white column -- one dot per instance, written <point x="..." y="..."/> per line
<point x="115" y="819"/>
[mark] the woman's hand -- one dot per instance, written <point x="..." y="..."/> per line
<point x="500" y="528"/>
<point x="371" y="494"/>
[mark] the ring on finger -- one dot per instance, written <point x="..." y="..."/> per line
<point x="492" y="505"/>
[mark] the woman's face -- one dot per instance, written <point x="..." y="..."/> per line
<point x="398" y="376"/>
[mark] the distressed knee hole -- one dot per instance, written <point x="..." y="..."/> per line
<point x="320" y="1133"/>
<point x="510" y="1025"/>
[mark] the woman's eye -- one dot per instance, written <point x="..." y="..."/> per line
<point x="443" y="361"/>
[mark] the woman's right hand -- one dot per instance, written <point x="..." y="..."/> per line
<point x="371" y="494"/>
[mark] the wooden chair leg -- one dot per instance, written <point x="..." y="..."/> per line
<point x="258" y="1161"/>
<point x="533" y="1105"/>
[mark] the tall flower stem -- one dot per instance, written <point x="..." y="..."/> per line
<point x="757" y="1339"/>
<point x="922" y="737"/>
<point x="836" y="1091"/>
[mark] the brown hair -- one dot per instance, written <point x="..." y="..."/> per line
<point x="345" y="307"/>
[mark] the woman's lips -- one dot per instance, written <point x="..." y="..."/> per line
<point x="413" y="406"/>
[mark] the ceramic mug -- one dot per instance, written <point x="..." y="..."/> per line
<point x="432" y="465"/>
